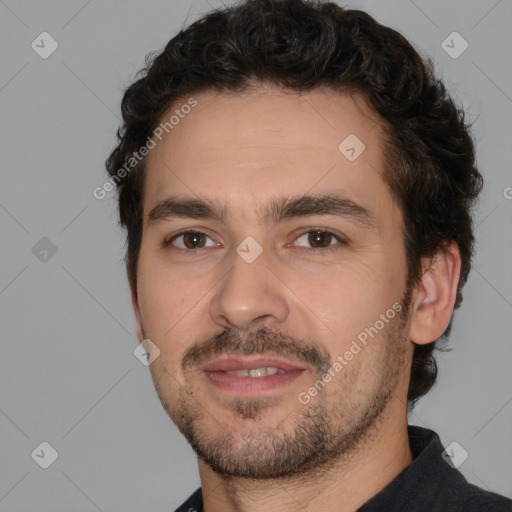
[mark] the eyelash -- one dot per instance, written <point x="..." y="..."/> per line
<point x="328" y="249"/>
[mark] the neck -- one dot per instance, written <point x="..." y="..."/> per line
<point x="346" y="485"/>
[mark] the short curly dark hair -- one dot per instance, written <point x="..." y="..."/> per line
<point x="299" y="45"/>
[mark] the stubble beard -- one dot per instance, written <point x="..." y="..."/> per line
<point x="324" y="433"/>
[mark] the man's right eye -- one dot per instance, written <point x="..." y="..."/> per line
<point x="189" y="240"/>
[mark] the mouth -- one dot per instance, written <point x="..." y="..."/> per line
<point x="249" y="375"/>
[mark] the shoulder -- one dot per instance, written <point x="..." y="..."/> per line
<point x="471" y="498"/>
<point x="449" y="489"/>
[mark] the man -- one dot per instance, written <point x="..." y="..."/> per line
<point x="297" y="189"/>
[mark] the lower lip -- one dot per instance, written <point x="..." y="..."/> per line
<point x="251" y="385"/>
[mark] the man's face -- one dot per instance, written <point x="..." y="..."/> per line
<point x="247" y="339"/>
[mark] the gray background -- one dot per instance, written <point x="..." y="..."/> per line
<point x="67" y="369"/>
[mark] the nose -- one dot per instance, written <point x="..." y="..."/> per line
<point x="249" y="296"/>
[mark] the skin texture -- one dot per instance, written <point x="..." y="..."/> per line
<point x="296" y="300"/>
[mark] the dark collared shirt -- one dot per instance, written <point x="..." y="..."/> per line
<point x="428" y="484"/>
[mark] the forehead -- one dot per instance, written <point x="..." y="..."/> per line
<point x="240" y="148"/>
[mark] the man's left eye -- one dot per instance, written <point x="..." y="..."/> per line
<point x="320" y="239"/>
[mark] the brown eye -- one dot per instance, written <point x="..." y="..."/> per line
<point x="318" y="239"/>
<point x="193" y="240"/>
<point x="190" y="240"/>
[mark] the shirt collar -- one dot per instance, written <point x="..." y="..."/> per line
<point x="422" y="480"/>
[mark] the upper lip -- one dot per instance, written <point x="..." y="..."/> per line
<point x="231" y="363"/>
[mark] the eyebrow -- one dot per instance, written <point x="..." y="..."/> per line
<point x="278" y="209"/>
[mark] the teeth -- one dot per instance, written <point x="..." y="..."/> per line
<point x="256" y="372"/>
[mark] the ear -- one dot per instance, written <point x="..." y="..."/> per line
<point x="136" y="308"/>
<point x="435" y="295"/>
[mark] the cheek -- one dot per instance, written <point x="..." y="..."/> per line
<point x="348" y="298"/>
<point x="168" y="307"/>
<point x="163" y="316"/>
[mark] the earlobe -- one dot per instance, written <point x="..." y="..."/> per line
<point x="435" y="295"/>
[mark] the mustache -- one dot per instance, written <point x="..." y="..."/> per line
<point x="263" y="341"/>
